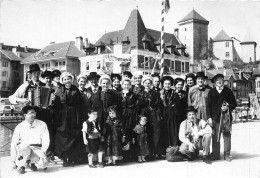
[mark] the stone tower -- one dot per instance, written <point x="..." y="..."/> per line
<point x="193" y="33"/>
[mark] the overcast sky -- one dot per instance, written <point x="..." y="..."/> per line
<point x="36" y="23"/>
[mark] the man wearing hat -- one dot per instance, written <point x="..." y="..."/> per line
<point x="21" y="94"/>
<point x="30" y="141"/>
<point x="127" y="74"/>
<point x="47" y="77"/>
<point x="195" y="133"/>
<point x="198" y="96"/>
<point x="56" y="78"/>
<point x="221" y="100"/>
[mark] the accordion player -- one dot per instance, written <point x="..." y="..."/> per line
<point x="40" y="96"/>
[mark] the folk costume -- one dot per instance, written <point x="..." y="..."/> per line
<point x="142" y="140"/>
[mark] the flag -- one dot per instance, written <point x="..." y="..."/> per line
<point x="166" y="6"/>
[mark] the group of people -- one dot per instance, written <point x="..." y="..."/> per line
<point x="129" y="117"/>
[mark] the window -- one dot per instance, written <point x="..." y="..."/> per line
<point x="63" y="63"/>
<point x="227" y="54"/>
<point x="87" y="65"/>
<point x="185" y="29"/>
<point x="187" y="67"/>
<point x="56" y="64"/>
<point x="5" y="74"/>
<point x="173" y="66"/>
<point x="146" y="63"/>
<point x="178" y="66"/>
<point x="98" y="64"/>
<point x="42" y="65"/>
<point x="5" y="64"/>
<point x="227" y="44"/>
<point x="4" y="84"/>
<point x="182" y="67"/>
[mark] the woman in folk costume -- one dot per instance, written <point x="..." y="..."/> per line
<point x="190" y="81"/>
<point x="68" y="100"/>
<point x="171" y="121"/>
<point x="156" y="82"/>
<point x="137" y="86"/>
<point x="116" y="78"/>
<point x="198" y="96"/>
<point x="179" y="83"/>
<point x="150" y="103"/>
<point x="129" y="114"/>
<point x="82" y="81"/>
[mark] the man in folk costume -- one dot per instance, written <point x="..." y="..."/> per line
<point x="221" y="103"/>
<point x="198" y="96"/>
<point x="21" y="94"/>
<point x="195" y="133"/>
<point x="30" y="141"/>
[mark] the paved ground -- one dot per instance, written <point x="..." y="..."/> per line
<point x="245" y="164"/>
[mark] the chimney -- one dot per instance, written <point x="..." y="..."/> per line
<point x="51" y="43"/>
<point x="86" y="41"/>
<point x="79" y="43"/>
<point x="25" y="49"/>
<point x="176" y="32"/>
<point x="14" y="50"/>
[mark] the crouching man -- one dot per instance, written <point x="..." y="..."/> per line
<point x="195" y="134"/>
<point x="30" y="142"/>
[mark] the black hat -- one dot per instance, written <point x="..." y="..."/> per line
<point x="34" y="67"/>
<point x="47" y="74"/>
<point x="93" y="75"/>
<point x="56" y="73"/>
<point x="156" y="75"/>
<point x="201" y="74"/>
<point x="115" y="76"/>
<point x="190" y="75"/>
<point x="177" y="80"/>
<point x="25" y="109"/>
<point x="217" y="76"/>
<point x="167" y="78"/>
<point x="191" y="108"/>
<point x="130" y="75"/>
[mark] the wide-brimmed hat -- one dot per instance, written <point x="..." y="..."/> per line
<point x="25" y="109"/>
<point x="116" y="76"/>
<point x="66" y="74"/>
<point x="34" y="67"/>
<point x="147" y="77"/>
<point x="191" y="108"/>
<point x="47" y="74"/>
<point x="130" y="75"/>
<point x="201" y="74"/>
<point x="93" y="75"/>
<point x="167" y="78"/>
<point x="81" y="76"/>
<point x="190" y="75"/>
<point x="217" y="76"/>
<point x="177" y="80"/>
<point x="56" y="73"/>
<point x="105" y="76"/>
<point x="156" y="75"/>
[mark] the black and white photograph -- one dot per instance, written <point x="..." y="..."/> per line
<point x="130" y="88"/>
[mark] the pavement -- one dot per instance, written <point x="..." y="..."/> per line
<point x="245" y="164"/>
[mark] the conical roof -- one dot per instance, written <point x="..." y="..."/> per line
<point x="193" y="15"/>
<point x="222" y="36"/>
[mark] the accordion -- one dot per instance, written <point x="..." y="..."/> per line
<point x="40" y="96"/>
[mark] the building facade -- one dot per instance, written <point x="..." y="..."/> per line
<point x="193" y="33"/>
<point x="134" y="48"/>
<point x="62" y="56"/>
<point x="11" y="67"/>
<point x="248" y="51"/>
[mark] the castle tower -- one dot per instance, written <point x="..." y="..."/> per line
<point x="248" y="48"/>
<point x="193" y="33"/>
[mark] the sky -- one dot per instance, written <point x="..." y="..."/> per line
<point x="36" y="23"/>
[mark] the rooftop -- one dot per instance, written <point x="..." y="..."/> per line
<point x="222" y="36"/>
<point x="195" y="16"/>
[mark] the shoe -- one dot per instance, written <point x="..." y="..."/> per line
<point x="92" y="166"/>
<point x="115" y="164"/>
<point x="143" y="159"/>
<point x="214" y="158"/>
<point x="140" y="159"/>
<point x="21" y="170"/>
<point x="206" y="159"/>
<point x="100" y="164"/>
<point x="228" y="158"/>
<point x="65" y="163"/>
<point x="71" y="163"/>
<point x="33" y="167"/>
<point x="45" y="169"/>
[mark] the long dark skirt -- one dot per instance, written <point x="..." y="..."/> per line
<point x="68" y="140"/>
<point x="153" y="129"/>
<point x="170" y="127"/>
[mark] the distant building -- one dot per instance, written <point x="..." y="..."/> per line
<point x="193" y="33"/>
<point x="134" y="48"/>
<point x="256" y="76"/>
<point x="11" y="68"/>
<point x="248" y="51"/>
<point x="62" y="56"/>
<point x="224" y="48"/>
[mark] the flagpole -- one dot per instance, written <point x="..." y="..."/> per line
<point x="162" y="38"/>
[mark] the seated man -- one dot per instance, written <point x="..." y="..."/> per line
<point x="195" y="133"/>
<point x="30" y="141"/>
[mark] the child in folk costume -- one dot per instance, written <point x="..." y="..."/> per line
<point x="141" y="138"/>
<point x="113" y="134"/>
<point x="92" y="138"/>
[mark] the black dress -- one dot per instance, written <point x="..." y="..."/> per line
<point x="150" y="105"/>
<point x="171" y="118"/>
<point x="69" y="140"/>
